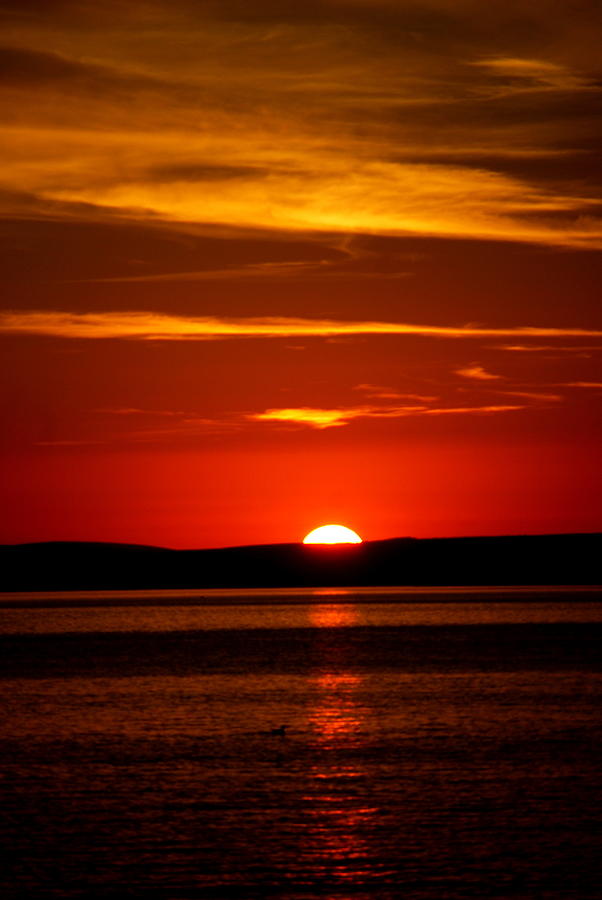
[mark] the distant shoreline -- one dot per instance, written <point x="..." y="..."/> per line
<point x="436" y="563"/>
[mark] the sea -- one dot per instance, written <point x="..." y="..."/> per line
<point x="427" y="743"/>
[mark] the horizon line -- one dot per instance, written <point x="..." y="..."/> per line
<point x="311" y="547"/>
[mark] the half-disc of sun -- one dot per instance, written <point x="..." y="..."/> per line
<point x="332" y="534"/>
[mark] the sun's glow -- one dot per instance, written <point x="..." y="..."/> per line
<point x="332" y="534"/>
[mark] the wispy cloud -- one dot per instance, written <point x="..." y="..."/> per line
<point x="190" y="113"/>
<point x="478" y="373"/>
<point x="262" y="271"/>
<point x="156" y="326"/>
<point x="314" y="193"/>
<point x="522" y="74"/>
<point x="545" y="348"/>
<point x="533" y="395"/>
<point x="380" y="392"/>
<point x="344" y="267"/>
<point x="335" y="418"/>
<point x="135" y="411"/>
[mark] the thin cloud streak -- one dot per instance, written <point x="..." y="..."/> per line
<point x="336" y="418"/>
<point x="157" y="326"/>
<point x="478" y="373"/>
<point x="532" y="395"/>
<point x="380" y="392"/>
<point x="535" y="348"/>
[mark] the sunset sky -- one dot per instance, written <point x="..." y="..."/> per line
<point x="271" y="264"/>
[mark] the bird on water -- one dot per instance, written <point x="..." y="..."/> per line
<point x="279" y="732"/>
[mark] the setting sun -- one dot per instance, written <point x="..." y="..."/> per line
<point x="332" y="534"/>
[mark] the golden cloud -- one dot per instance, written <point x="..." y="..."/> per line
<point x="335" y="418"/>
<point x="315" y="418"/>
<point x="158" y="326"/>
<point x="324" y="121"/>
<point x="309" y="189"/>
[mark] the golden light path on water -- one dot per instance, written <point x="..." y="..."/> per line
<point x="339" y="813"/>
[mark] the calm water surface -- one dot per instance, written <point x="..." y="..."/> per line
<point x="440" y="744"/>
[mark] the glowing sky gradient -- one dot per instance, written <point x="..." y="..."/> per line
<point x="268" y="264"/>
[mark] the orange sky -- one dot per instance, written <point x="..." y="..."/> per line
<point x="271" y="264"/>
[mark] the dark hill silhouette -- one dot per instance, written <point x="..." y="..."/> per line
<point x="521" y="559"/>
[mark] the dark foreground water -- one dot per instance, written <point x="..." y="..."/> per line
<point x="435" y="748"/>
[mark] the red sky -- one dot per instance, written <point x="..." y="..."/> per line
<point x="271" y="264"/>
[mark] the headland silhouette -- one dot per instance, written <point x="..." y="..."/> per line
<point x="509" y="560"/>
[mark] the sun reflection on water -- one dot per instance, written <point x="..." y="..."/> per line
<point x="341" y="820"/>
<point x="336" y="718"/>
<point x="334" y="615"/>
